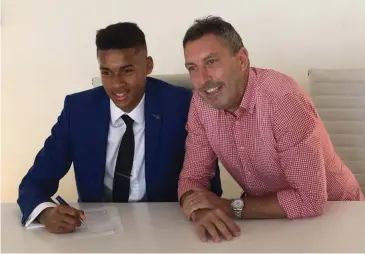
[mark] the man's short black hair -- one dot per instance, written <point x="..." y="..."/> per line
<point x="216" y="26"/>
<point x="120" y="36"/>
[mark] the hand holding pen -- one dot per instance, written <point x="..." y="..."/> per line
<point x="62" y="218"/>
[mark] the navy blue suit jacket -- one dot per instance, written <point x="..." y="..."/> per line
<point x="80" y="137"/>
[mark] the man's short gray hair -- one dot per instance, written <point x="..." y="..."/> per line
<point x="217" y="26"/>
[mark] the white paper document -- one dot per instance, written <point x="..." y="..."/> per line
<point x="99" y="221"/>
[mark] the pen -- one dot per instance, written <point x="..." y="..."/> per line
<point x="63" y="202"/>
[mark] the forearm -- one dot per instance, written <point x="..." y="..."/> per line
<point x="200" y="159"/>
<point x="265" y="207"/>
<point x="289" y="203"/>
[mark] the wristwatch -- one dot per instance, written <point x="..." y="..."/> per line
<point x="237" y="206"/>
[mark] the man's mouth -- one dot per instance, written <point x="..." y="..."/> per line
<point x="213" y="90"/>
<point x="120" y="96"/>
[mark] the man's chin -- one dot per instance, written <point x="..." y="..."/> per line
<point x="122" y="105"/>
<point x="215" y="105"/>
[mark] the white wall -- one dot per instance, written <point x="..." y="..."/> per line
<point x="48" y="51"/>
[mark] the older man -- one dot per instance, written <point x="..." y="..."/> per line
<point x="264" y="129"/>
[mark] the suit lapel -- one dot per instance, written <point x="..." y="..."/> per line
<point x="99" y="128"/>
<point x="153" y="121"/>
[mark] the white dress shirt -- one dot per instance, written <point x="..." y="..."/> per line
<point x="117" y="127"/>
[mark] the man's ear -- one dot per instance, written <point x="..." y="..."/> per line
<point x="149" y="65"/>
<point x="242" y="56"/>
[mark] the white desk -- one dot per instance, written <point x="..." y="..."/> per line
<point x="160" y="227"/>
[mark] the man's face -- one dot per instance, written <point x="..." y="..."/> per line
<point x="123" y="74"/>
<point x="216" y="73"/>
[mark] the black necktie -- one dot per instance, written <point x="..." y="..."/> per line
<point x="123" y="166"/>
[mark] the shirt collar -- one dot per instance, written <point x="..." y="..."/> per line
<point x="137" y="114"/>
<point x="248" y="99"/>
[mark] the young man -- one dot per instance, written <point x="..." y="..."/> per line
<point x="263" y="128"/>
<point x="126" y="139"/>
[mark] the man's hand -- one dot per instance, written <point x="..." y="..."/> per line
<point x="203" y="199"/>
<point x="214" y="223"/>
<point x="194" y="201"/>
<point x="61" y="219"/>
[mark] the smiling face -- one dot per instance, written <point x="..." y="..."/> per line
<point x="123" y="74"/>
<point x="217" y="74"/>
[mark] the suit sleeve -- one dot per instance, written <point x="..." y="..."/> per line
<point x="50" y="165"/>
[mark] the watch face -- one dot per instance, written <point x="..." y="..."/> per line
<point x="237" y="203"/>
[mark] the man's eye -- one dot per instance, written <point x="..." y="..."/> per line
<point x="128" y="71"/>
<point x="191" y="69"/>
<point x="104" y="73"/>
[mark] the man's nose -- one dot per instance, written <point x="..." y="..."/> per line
<point x="118" y="81"/>
<point x="202" y="78"/>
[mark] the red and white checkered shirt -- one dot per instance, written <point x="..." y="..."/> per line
<point x="274" y="143"/>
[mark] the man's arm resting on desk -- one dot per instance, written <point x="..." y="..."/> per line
<point x="217" y="218"/>
<point x="289" y="203"/>
<point x="255" y="207"/>
<point x="301" y="148"/>
<point x="266" y="207"/>
<point x="284" y="204"/>
<point x="200" y="160"/>
<point x="298" y="134"/>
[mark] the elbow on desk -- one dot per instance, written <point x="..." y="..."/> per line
<point x="302" y="204"/>
<point x="315" y="206"/>
<point x="319" y="207"/>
